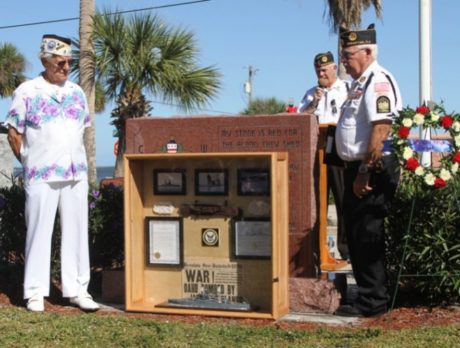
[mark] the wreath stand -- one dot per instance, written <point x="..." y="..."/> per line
<point x="424" y="117"/>
<point x="407" y="237"/>
<point x="401" y="265"/>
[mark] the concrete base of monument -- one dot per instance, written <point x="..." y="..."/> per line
<point x="320" y="318"/>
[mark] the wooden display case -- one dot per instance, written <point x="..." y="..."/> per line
<point x="210" y="226"/>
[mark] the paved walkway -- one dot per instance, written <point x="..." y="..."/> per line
<point x="320" y="318"/>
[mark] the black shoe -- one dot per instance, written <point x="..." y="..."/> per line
<point x="352" y="311"/>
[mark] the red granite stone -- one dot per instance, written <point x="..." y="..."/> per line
<point x="317" y="295"/>
<point x="294" y="133"/>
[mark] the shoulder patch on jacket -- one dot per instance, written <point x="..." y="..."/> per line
<point x="383" y="104"/>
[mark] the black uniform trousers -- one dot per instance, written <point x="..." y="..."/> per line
<point x="364" y="225"/>
<point x="335" y="183"/>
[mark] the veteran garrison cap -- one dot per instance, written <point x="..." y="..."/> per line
<point x="351" y="38"/>
<point x="322" y="59"/>
<point x="55" y="44"/>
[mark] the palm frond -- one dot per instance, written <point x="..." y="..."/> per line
<point x="193" y="89"/>
<point x="348" y="13"/>
<point x="144" y="55"/>
<point x="12" y="66"/>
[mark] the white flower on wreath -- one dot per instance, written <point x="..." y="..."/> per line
<point x="456" y="126"/>
<point x="457" y="140"/>
<point x="419" y="119"/>
<point x="407" y="153"/>
<point x="435" y="116"/>
<point x="429" y="179"/>
<point x="448" y="170"/>
<point x="407" y="122"/>
<point x="445" y="175"/>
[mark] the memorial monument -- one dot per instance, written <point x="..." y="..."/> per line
<point x="296" y="134"/>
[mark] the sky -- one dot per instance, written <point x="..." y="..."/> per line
<point x="278" y="38"/>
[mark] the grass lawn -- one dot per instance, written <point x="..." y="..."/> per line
<point x="19" y="328"/>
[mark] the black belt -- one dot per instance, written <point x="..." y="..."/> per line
<point x="354" y="164"/>
<point x="351" y="164"/>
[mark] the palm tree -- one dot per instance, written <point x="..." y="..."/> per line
<point x="12" y="66"/>
<point x="347" y="14"/>
<point x="264" y="106"/>
<point x="87" y="82"/>
<point x="144" y="56"/>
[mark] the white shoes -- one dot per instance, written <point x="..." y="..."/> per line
<point x="36" y="304"/>
<point x="85" y="302"/>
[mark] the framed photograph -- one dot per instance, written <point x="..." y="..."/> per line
<point x="169" y="182"/>
<point x="252" y="238"/>
<point x="211" y="182"/>
<point x="163" y="241"/>
<point x="253" y="182"/>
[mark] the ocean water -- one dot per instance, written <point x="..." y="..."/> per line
<point x="102" y="172"/>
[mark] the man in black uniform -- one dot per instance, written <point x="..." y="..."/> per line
<point x="324" y="100"/>
<point x="371" y="175"/>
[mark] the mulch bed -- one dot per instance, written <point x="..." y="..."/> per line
<point x="400" y="318"/>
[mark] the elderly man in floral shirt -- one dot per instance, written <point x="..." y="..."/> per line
<point x="46" y="122"/>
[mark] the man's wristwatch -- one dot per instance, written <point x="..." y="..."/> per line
<point x="363" y="168"/>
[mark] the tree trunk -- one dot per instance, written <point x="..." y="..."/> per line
<point x="341" y="68"/>
<point x="87" y="82"/>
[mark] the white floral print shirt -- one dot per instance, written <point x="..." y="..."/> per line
<point x="51" y="120"/>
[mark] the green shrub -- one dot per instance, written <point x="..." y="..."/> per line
<point x="12" y="225"/>
<point x="105" y="228"/>
<point x="431" y="246"/>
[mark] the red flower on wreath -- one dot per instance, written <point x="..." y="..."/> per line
<point x="422" y="110"/>
<point x="446" y="121"/>
<point x="456" y="158"/>
<point x="412" y="164"/>
<point x="403" y="132"/>
<point x="438" y="183"/>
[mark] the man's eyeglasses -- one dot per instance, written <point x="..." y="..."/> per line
<point x="61" y="64"/>
<point x="348" y="55"/>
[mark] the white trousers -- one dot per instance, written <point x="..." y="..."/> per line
<point x="42" y="201"/>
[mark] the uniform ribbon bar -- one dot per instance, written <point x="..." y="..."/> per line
<point x="422" y="145"/>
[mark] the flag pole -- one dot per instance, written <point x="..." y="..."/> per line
<point x="425" y="10"/>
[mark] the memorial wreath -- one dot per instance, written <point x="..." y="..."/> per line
<point x="409" y="150"/>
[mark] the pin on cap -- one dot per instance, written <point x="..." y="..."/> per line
<point x="322" y="59"/>
<point x="351" y="38"/>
